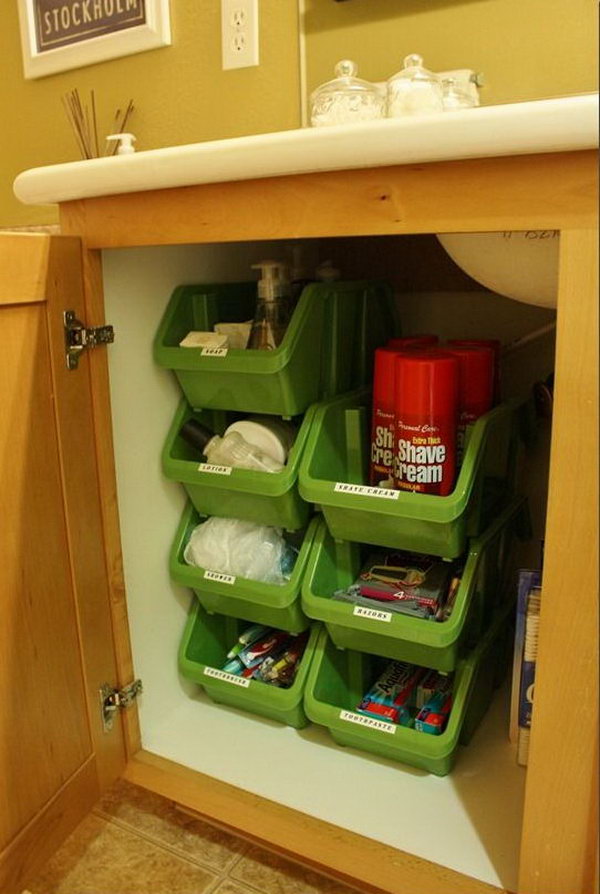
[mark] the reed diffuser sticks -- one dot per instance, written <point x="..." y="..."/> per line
<point x="84" y="122"/>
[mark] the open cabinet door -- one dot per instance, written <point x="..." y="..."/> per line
<point x="56" y="639"/>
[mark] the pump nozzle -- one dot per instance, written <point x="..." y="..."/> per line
<point x="274" y="281"/>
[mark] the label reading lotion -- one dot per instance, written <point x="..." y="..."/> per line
<point x="228" y="678"/>
<point x="214" y="470"/>
<point x="372" y="613"/>
<point x="219" y="577"/>
<point x="214" y="352"/>
<point x="361" y="720"/>
<point x="363" y="490"/>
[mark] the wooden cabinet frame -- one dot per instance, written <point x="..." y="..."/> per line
<point x="554" y="192"/>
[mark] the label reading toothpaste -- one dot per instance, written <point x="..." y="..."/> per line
<point x="363" y="490"/>
<point x="372" y="613"/>
<point x="214" y="470"/>
<point x="214" y="352"/>
<point x="228" y="678"/>
<point x="219" y="577"/>
<point x="371" y="722"/>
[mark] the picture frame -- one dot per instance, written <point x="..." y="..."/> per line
<point x="58" y="35"/>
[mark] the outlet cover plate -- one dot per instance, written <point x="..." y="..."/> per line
<point x="239" y="33"/>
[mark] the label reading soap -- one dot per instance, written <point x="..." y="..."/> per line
<point x="219" y="577"/>
<point x="373" y="613"/>
<point x="371" y="722"/>
<point x="363" y="490"/>
<point x="214" y="352"/>
<point x="227" y="678"/>
<point x="214" y="470"/>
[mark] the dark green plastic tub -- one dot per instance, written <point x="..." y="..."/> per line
<point x="338" y="679"/>
<point x="204" y="646"/>
<point x="337" y="453"/>
<point x="269" y="498"/>
<point x="250" y="600"/>
<point x="327" y="348"/>
<point x="438" y="645"/>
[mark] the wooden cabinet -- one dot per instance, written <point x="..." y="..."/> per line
<point x="91" y="643"/>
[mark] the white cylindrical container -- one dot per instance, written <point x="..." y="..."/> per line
<point x="272" y="436"/>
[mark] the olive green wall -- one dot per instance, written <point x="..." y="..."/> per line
<point x="181" y="93"/>
<point x="527" y="49"/>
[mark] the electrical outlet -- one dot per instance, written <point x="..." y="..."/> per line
<point x="239" y="33"/>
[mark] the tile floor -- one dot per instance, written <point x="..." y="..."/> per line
<point x="135" y="841"/>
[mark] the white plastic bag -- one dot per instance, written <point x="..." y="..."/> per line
<point x="240" y="548"/>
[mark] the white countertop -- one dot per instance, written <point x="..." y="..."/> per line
<point x="549" y="125"/>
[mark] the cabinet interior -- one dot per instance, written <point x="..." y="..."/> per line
<point x="470" y="820"/>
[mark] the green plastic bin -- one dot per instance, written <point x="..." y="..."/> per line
<point x="338" y="680"/>
<point x="486" y="580"/>
<point x="337" y="452"/>
<point x="327" y="348"/>
<point x="204" y="646"/>
<point x="250" y="600"/>
<point x="269" y="498"/>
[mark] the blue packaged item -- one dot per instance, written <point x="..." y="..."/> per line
<point x="392" y="695"/>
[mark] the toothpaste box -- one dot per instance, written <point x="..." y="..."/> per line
<point x="433" y="716"/>
<point x="392" y="696"/>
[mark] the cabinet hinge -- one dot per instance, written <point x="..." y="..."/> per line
<point x="111" y="700"/>
<point x="79" y="337"/>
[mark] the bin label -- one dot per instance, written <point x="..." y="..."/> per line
<point x="382" y="725"/>
<point x="363" y="490"/>
<point x="219" y="577"/>
<point x="213" y="352"/>
<point x="373" y="613"/>
<point x="215" y="470"/>
<point x="227" y="678"/>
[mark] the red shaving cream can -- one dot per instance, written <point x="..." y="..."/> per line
<point x="496" y="347"/>
<point x="381" y="470"/>
<point x="426" y="412"/>
<point x="476" y="366"/>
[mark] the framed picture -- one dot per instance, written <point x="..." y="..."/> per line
<point x="57" y="35"/>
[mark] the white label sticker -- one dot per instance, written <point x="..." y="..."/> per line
<point x="228" y="678"/>
<point x="363" y="490"/>
<point x="371" y="722"/>
<point x="214" y="470"/>
<point x="373" y="613"/>
<point x="219" y="577"/>
<point x="214" y="352"/>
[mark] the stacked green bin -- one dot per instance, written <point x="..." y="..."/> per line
<point x="270" y="604"/>
<point x="266" y="498"/>
<point x="437" y="645"/>
<point x="203" y="652"/>
<point x="338" y="679"/>
<point x="336" y="455"/>
<point x="327" y="347"/>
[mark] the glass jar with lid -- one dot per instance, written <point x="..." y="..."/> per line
<point x="346" y="98"/>
<point x="414" y="90"/>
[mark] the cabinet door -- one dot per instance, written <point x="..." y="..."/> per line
<point x="56" y="645"/>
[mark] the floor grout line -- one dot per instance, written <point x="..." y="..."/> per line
<point x="122" y="824"/>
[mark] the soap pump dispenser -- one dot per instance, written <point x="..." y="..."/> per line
<point x="273" y="308"/>
<point x="414" y="90"/>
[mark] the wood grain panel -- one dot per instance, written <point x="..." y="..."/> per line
<point x="559" y="832"/>
<point x="24" y="263"/>
<point x="44" y="736"/>
<point x="523" y="192"/>
<point x="36" y="843"/>
<point x="82" y="494"/>
<point x="344" y="855"/>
